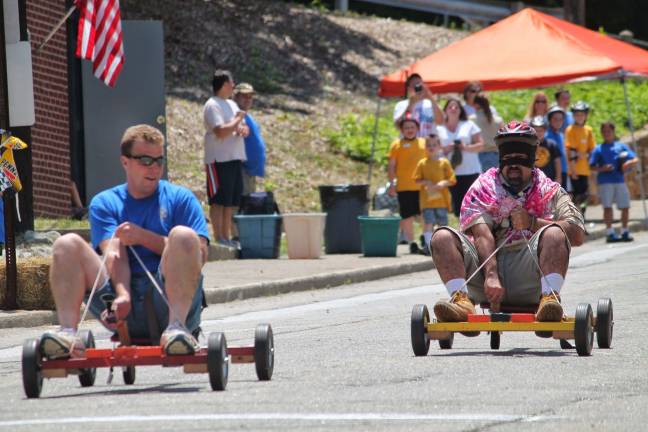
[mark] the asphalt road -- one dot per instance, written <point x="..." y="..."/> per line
<point x="344" y="362"/>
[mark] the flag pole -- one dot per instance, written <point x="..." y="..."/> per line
<point x="56" y="28"/>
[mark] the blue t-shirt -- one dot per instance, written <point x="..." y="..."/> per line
<point x="559" y="139"/>
<point x="608" y="153"/>
<point x="168" y="207"/>
<point x="254" y="150"/>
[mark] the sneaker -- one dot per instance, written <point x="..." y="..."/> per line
<point x="549" y="309"/>
<point x="61" y="344"/>
<point x="612" y="238"/>
<point x="454" y="310"/>
<point x="178" y="341"/>
<point x="414" y="248"/>
<point x="626" y="237"/>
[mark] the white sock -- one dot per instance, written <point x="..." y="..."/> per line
<point x="427" y="236"/>
<point x="454" y="285"/>
<point x="552" y="281"/>
<point x="610" y="231"/>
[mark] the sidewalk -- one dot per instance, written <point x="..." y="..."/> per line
<point x="240" y="279"/>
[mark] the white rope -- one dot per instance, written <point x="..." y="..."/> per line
<point x="485" y="261"/>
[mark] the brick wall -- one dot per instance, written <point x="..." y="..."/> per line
<point x="50" y="134"/>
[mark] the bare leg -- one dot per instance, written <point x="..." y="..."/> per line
<point x="74" y="193"/>
<point x="607" y="217"/>
<point x="407" y="225"/>
<point x="553" y="252"/>
<point x="625" y="217"/>
<point x="181" y="264"/>
<point x="216" y="216"/>
<point x="74" y="269"/>
<point x="227" y="222"/>
<point x="447" y="255"/>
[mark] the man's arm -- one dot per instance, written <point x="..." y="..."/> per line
<point x="485" y="245"/>
<point x="227" y="129"/>
<point x="391" y="173"/>
<point x="565" y="214"/>
<point x="119" y="273"/>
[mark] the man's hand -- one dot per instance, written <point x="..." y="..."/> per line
<point x="243" y="131"/>
<point x="122" y="306"/>
<point x="129" y="234"/>
<point x="493" y="289"/>
<point x="520" y="219"/>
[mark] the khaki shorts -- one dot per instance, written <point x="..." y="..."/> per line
<point x="516" y="268"/>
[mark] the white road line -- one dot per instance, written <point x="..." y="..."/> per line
<point x="304" y="417"/>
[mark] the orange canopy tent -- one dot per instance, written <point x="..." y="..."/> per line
<point x="527" y="49"/>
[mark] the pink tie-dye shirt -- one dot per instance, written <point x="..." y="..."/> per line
<point x="488" y="199"/>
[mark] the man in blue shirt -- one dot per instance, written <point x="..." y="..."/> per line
<point x="611" y="160"/>
<point x="164" y="224"/>
<point x="255" y="148"/>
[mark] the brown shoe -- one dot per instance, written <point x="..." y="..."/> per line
<point x="549" y="309"/>
<point x="454" y="310"/>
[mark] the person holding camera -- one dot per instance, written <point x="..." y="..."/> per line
<point x="611" y="160"/>
<point x="419" y="105"/>
<point x="461" y="141"/>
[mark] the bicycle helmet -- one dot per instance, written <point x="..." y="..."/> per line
<point x="517" y="137"/>
<point x="539" y="121"/>
<point x="553" y="110"/>
<point x="580" y="106"/>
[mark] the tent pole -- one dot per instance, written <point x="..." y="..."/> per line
<point x="634" y="145"/>
<point x="373" y="140"/>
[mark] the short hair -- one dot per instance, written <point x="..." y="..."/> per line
<point x="560" y="91"/>
<point x="409" y="80"/>
<point x="220" y="78"/>
<point x="140" y="132"/>
<point x="462" y="111"/>
<point x="608" y="123"/>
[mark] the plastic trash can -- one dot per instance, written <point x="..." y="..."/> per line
<point x="343" y="204"/>
<point x="379" y="235"/>
<point x="304" y="234"/>
<point x="259" y="235"/>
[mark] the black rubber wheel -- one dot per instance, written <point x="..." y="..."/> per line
<point x="495" y="337"/>
<point x="419" y="335"/>
<point x="584" y="329"/>
<point x="446" y="343"/>
<point x="217" y="361"/>
<point x="564" y="344"/>
<point x="264" y="352"/>
<point x="31" y="368"/>
<point x="87" y="376"/>
<point x="604" y="323"/>
<point x="128" y="373"/>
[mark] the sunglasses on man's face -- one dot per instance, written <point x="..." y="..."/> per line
<point x="148" y="160"/>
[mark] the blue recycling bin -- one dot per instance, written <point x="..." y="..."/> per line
<point x="259" y="235"/>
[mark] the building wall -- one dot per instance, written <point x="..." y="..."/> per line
<point x="50" y="134"/>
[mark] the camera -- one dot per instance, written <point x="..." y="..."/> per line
<point x="457" y="142"/>
<point x="418" y="88"/>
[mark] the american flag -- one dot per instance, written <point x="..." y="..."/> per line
<point x="100" y="38"/>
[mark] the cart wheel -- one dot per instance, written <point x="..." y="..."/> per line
<point x="31" y="368"/>
<point x="420" y="338"/>
<point x="495" y="337"/>
<point x="217" y="361"/>
<point x="87" y="376"/>
<point x="446" y="343"/>
<point x="584" y="329"/>
<point x="264" y="351"/>
<point x="564" y="344"/>
<point x="128" y="373"/>
<point x="604" y="323"/>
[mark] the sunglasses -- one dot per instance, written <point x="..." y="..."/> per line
<point x="148" y="160"/>
<point x="541" y="101"/>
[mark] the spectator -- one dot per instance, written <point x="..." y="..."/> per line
<point x="434" y="174"/>
<point x="563" y="97"/>
<point x="579" y="144"/>
<point x="556" y="118"/>
<point x="404" y="155"/>
<point x="538" y="107"/>
<point x="255" y="149"/>
<point x="548" y="153"/>
<point x="611" y="159"/>
<point x="419" y="105"/>
<point x="471" y="90"/>
<point x="79" y="211"/>
<point x="489" y="123"/>
<point x="461" y="140"/>
<point x="224" y="154"/>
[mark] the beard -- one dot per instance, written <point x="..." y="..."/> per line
<point x="515" y="178"/>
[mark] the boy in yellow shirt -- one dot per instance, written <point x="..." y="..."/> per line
<point x="404" y="154"/>
<point x="434" y="174"/>
<point x="579" y="144"/>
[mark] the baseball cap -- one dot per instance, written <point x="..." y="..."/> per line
<point x="243" y="88"/>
